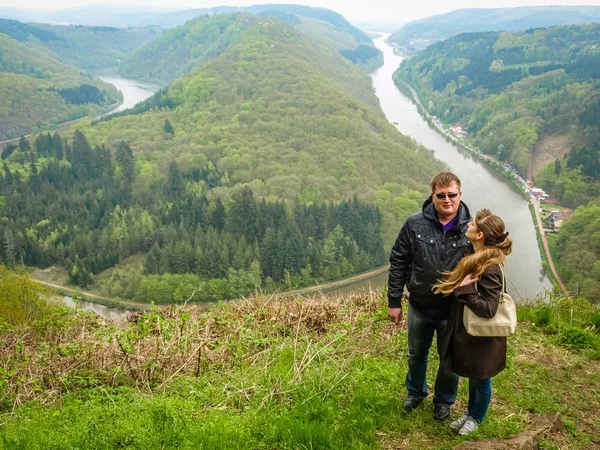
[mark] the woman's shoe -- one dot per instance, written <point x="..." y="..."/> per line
<point x="469" y="426"/>
<point x="458" y="423"/>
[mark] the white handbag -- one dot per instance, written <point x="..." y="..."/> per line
<point x="504" y="323"/>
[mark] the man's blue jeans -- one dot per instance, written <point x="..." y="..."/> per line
<point x="480" y="396"/>
<point x="421" y="328"/>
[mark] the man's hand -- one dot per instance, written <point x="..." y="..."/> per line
<point x="396" y="315"/>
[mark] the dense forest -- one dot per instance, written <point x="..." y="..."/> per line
<point x="84" y="47"/>
<point x="78" y="210"/>
<point x="203" y="38"/>
<point x="515" y="93"/>
<point x="262" y="168"/>
<point x="38" y="91"/>
<point x="416" y="36"/>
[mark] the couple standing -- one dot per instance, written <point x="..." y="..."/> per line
<point x="448" y="260"/>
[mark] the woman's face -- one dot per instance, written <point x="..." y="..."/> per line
<point x="473" y="233"/>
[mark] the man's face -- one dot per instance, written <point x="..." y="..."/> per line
<point x="447" y="206"/>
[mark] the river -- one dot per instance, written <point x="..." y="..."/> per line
<point x="481" y="186"/>
<point x="134" y="91"/>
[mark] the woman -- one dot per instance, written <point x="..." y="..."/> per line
<point x="476" y="282"/>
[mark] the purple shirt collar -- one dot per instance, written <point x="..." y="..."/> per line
<point x="450" y="224"/>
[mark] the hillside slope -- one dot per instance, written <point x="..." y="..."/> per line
<point x="513" y="89"/>
<point x="39" y="91"/>
<point x="206" y="36"/>
<point x="84" y="47"/>
<point x="274" y="373"/>
<point x="417" y="35"/>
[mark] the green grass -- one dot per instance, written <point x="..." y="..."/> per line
<point x="306" y="374"/>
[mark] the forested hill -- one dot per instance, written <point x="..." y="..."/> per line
<point x="39" y="91"/>
<point x="203" y="38"/>
<point x="242" y="174"/>
<point x="84" y="47"/>
<point x="532" y="99"/>
<point x="417" y="35"/>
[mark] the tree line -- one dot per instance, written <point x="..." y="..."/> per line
<point x="75" y="206"/>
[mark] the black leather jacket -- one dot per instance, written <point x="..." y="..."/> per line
<point x="421" y="252"/>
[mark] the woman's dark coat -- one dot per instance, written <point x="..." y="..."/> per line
<point x="470" y="356"/>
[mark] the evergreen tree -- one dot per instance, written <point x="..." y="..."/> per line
<point x="126" y="162"/>
<point x="8" y="175"/>
<point x="168" y="128"/>
<point x="57" y="146"/>
<point x="175" y="183"/>
<point x="81" y="154"/>
<point x="24" y="144"/>
<point x="243" y="216"/>
<point x="218" y="216"/>
<point x="10" y="248"/>
<point x="8" y="150"/>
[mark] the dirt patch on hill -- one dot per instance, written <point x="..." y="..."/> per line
<point x="545" y="151"/>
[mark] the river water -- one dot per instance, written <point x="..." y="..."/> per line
<point x="481" y="186"/>
<point x="134" y="91"/>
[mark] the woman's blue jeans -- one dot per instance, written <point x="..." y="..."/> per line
<point x="480" y="396"/>
<point x="421" y="328"/>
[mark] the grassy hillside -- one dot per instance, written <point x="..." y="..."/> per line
<point x="417" y="35"/>
<point x="268" y="373"/>
<point x="39" y="91"/>
<point x="84" y="47"/>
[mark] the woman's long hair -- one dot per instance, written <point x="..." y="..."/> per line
<point x="496" y="243"/>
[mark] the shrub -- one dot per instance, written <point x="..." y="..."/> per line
<point x="542" y="316"/>
<point x="596" y="321"/>
<point x="577" y="338"/>
<point x="22" y="301"/>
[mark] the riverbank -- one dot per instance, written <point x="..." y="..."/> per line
<point x="325" y="289"/>
<point x="59" y="127"/>
<point x="496" y="166"/>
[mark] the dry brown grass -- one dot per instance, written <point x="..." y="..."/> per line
<point x="149" y="349"/>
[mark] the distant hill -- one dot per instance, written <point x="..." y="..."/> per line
<point x="332" y="27"/>
<point x="39" y="91"/>
<point x="85" y="47"/>
<point x="417" y="35"/>
<point x="183" y="48"/>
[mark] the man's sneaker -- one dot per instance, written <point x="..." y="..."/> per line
<point x="441" y="411"/>
<point x="458" y="423"/>
<point x="469" y="426"/>
<point x="412" y="402"/>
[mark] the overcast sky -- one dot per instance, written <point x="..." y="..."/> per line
<point x="354" y="10"/>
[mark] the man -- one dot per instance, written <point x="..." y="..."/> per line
<point x="429" y="243"/>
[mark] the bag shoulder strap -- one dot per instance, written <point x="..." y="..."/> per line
<point x="502" y="270"/>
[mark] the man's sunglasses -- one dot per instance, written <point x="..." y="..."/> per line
<point x="444" y="195"/>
